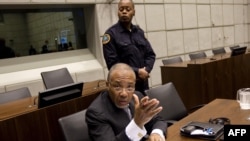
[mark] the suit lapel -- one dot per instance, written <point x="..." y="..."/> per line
<point x="132" y="108"/>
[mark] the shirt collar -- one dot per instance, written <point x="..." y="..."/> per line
<point x="122" y="29"/>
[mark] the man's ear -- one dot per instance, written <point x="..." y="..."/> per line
<point x="107" y="85"/>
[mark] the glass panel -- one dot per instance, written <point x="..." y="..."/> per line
<point x="32" y="31"/>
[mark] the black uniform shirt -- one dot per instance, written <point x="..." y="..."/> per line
<point x="130" y="47"/>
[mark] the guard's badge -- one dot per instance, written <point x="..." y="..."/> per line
<point x="105" y="38"/>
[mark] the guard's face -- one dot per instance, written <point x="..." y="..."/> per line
<point x="121" y="87"/>
<point x="126" y="11"/>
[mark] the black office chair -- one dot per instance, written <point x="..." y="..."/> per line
<point x="55" y="78"/>
<point x="173" y="106"/>
<point x="172" y="60"/>
<point x="14" y="95"/>
<point x="74" y="127"/>
<point x="219" y="51"/>
<point x="197" y="55"/>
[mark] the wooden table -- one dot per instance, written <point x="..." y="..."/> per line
<point x="216" y="108"/>
<point x="21" y="120"/>
<point x="200" y="81"/>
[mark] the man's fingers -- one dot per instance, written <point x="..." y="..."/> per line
<point x="152" y="107"/>
<point x="144" y="101"/>
<point x="154" y="112"/>
<point x="136" y="100"/>
<point x="157" y="110"/>
<point x="151" y="104"/>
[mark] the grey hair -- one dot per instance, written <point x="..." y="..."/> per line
<point x="119" y="66"/>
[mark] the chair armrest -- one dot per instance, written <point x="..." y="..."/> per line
<point x="195" y="108"/>
<point x="170" y="122"/>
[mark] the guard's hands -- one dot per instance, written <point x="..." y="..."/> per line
<point x="145" y="110"/>
<point x="143" y="74"/>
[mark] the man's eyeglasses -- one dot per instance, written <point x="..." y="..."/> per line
<point x="118" y="88"/>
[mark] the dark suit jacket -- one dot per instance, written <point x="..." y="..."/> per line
<point x="106" y="122"/>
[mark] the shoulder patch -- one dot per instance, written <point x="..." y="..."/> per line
<point x="105" y="38"/>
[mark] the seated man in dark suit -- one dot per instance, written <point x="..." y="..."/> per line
<point x="119" y="114"/>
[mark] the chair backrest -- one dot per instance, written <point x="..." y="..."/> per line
<point x="173" y="106"/>
<point x="197" y="55"/>
<point x="74" y="127"/>
<point x="14" y="95"/>
<point x="233" y="47"/>
<point x="172" y="60"/>
<point x="56" y="78"/>
<point x="219" y="51"/>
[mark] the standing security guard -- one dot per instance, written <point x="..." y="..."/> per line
<point x="126" y="43"/>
